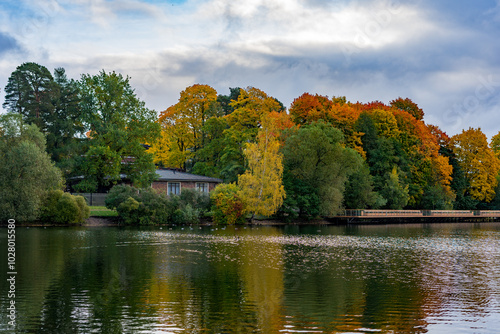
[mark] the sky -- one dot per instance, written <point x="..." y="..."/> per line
<point x="442" y="54"/>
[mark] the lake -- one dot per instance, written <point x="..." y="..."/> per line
<point x="440" y="278"/>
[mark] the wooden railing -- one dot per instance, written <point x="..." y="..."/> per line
<point x="420" y="213"/>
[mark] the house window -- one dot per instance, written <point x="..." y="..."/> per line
<point x="174" y="188"/>
<point x="202" y="187"/>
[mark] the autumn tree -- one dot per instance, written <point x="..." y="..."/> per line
<point x="409" y="106"/>
<point x="344" y="116"/>
<point x="479" y="163"/>
<point x="495" y="144"/>
<point x="228" y="207"/>
<point x="183" y="125"/>
<point x="428" y="171"/>
<point x="244" y="123"/>
<point x="251" y="105"/>
<point x="309" y="108"/>
<point x="261" y="185"/>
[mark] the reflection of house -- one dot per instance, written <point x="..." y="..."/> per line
<point x="172" y="181"/>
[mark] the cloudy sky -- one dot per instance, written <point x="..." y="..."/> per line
<point x="444" y="54"/>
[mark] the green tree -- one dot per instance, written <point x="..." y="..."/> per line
<point x="119" y="125"/>
<point x="208" y="159"/>
<point x="386" y="156"/>
<point x="302" y="199"/>
<point x="66" y="124"/>
<point x="360" y="193"/>
<point x="225" y="101"/>
<point x="315" y="155"/>
<point x="100" y="166"/>
<point x="50" y="102"/>
<point x="26" y="171"/>
<point x="396" y="194"/>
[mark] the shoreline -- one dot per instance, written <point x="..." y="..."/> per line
<point x="96" y="221"/>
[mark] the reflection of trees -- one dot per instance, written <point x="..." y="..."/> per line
<point x="93" y="285"/>
<point x="231" y="285"/>
<point x="245" y="281"/>
<point x="40" y="259"/>
<point x="261" y="271"/>
<point x="346" y="288"/>
<point x="196" y="287"/>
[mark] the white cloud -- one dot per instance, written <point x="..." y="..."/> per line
<point x="365" y="50"/>
<point x="281" y="27"/>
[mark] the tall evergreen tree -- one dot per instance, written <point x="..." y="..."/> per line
<point x="30" y="92"/>
<point x="51" y="103"/>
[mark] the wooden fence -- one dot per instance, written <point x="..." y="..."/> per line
<point x="94" y="199"/>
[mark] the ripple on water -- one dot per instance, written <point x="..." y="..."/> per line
<point x="447" y="283"/>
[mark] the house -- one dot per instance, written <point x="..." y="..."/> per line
<point x="173" y="181"/>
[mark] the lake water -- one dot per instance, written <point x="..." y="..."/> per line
<point x="442" y="278"/>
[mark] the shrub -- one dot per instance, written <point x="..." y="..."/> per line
<point x="84" y="208"/>
<point x="146" y="207"/>
<point x="228" y="207"/>
<point x="196" y="199"/>
<point x="128" y="210"/>
<point x="120" y="194"/>
<point x="186" y="215"/>
<point x="63" y="208"/>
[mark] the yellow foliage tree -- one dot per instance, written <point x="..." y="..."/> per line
<point x="495" y="144"/>
<point x="479" y="163"/>
<point x="251" y="106"/>
<point x="161" y="149"/>
<point x="385" y="123"/>
<point x="261" y="185"/>
<point x="182" y="124"/>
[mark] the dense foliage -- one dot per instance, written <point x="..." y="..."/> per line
<point x="146" y="207"/>
<point x="63" y="208"/>
<point x="26" y="171"/>
<point x="228" y="206"/>
<point x="319" y="157"/>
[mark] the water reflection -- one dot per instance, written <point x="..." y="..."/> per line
<point x="383" y="279"/>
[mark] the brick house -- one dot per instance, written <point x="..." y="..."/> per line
<point x="172" y="181"/>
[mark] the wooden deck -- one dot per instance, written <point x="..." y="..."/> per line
<point x="405" y="216"/>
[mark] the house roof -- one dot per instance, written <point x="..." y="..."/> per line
<point x="173" y="175"/>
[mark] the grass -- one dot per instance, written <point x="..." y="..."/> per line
<point x="102" y="211"/>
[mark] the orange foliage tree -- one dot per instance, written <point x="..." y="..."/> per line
<point x="309" y="108"/>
